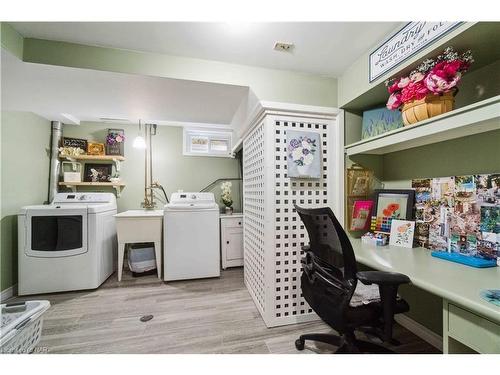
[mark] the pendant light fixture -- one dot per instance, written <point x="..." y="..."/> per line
<point x="139" y="141"/>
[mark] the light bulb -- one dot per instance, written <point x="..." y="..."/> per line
<point x="139" y="142"/>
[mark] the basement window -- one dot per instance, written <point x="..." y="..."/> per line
<point x="207" y="142"/>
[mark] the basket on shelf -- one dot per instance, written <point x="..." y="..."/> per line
<point x="430" y="106"/>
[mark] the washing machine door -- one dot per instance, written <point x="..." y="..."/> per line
<point x="56" y="232"/>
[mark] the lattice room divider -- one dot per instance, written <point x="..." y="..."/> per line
<point x="273" y="232"/>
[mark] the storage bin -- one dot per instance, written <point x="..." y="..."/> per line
<point x="141" y="257"/>
<point x="73" y="175"/>
<point x="21" y="326"/>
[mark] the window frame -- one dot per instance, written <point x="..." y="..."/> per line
<point x="211" y="135"/>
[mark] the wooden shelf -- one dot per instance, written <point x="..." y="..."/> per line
<point x="94" y="157"/>
<point x="117" y="159"/>
<point x="91" y="183"/>
<point x="475" y="118"/>
<point x="73" y="185"/>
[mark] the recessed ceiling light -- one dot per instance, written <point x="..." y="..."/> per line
<point x="283" y="46"/>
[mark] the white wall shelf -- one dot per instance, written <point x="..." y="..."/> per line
<point x="475" y="118"/>
<point x="73" y="185"/>
<point x="114" y="158"/>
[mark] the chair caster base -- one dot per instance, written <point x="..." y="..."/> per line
<point x="299" y="344"/>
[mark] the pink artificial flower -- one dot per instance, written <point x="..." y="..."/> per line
<point x="414" y="91"/>
<point x="394" y="87"/>
<point x="417" y="77"/>
<point x="403" y="82"/>
<point x="439" y="85"/>
<point x="394" y="101"/>
<point x="398" y="84"/>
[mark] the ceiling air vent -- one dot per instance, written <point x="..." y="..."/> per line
<point x="283" y="47"/>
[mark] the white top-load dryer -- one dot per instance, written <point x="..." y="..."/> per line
<point x="191" y="237"/>
<point x="69" y="244"/>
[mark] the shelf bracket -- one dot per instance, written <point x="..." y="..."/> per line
<point x="118" y="190"/>
<point x="117" y="164"/>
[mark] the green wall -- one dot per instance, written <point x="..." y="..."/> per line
<point x="25" y="140"/>
<point x="25" y="171"/>
<point x="170" y="168"/>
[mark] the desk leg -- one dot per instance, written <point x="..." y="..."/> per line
<point x="446" y="348"/>
<point x="158" y="258"/>
<point x="121" y="254"/>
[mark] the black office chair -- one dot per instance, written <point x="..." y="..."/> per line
<point x="329" y="280"/>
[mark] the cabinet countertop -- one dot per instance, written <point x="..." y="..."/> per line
<point x="139" y="213"/>
<point x="236" y="214"/>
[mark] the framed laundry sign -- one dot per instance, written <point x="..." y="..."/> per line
<point x="405" y="43"/>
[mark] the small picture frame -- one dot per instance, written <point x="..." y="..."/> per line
<point x="74" y="142"/>
<point x="98" y="172"/>
<point x="115" y="142"/>
<point x="361" y="215"/>
<point x="402" y="232"/>
<point x="95" y="149"/>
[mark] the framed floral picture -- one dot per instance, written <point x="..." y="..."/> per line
<point x="402" y="232"/>
<point x="97" y="172"/>
<point x="303" y="154"/>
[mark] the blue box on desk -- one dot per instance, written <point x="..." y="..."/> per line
<point x="380" y="120"/>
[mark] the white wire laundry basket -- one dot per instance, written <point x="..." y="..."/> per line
<point x="21" y="326"/>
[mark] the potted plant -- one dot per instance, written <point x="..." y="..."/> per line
<point x="226" y="198"/>
<point x="429" y="90"/>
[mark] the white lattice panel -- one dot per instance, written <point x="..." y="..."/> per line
<point x="289" y="232"/>
<point x="253" y="209"/>
<point x="274" y="233"/>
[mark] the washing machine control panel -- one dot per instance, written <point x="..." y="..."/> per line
<point x="83" y="198"/>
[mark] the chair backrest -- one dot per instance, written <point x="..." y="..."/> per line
<point x="329" y="242"/>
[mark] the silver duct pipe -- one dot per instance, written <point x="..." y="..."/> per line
<point x="56" y="135"/>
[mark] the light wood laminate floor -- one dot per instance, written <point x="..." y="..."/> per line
<point x="197" y="316"/>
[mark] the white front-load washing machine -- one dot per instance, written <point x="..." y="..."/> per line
<point x="69" y="244"/>
<point x="191" y="237"/>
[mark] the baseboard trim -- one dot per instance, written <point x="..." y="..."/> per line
<point x="8" y="293"/>
<point x="421" y="331"/>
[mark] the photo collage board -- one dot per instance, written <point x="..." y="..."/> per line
<point x="459" y="214"/>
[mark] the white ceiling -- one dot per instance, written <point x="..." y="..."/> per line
<point x="326" y="48"/>
<point x="88" y="95"/>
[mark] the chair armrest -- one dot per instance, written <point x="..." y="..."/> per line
<point x="388" y="284"/>
<point x="382" y="278"/>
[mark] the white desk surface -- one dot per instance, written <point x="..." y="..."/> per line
<point x="455" y="282"/>
<point x="140" y="213"/>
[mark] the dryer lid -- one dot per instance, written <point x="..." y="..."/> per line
<point x="191" y="201"/>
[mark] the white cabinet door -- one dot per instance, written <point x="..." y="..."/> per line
<point x="234" y="243"/>
<point x="231" y="241"/>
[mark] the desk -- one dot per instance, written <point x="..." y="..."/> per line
<point x="136" y="226"/>
<point x="468" y="320"/>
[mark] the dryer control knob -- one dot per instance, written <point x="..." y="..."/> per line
<point x="193" y="196"/>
